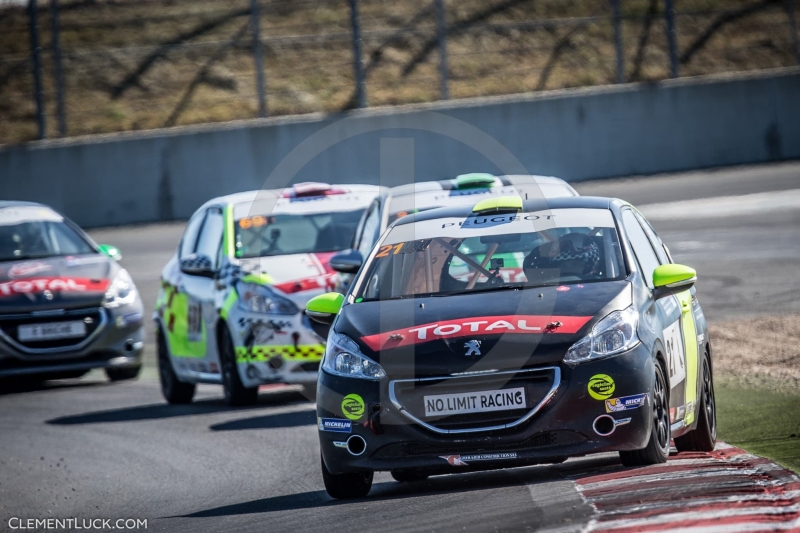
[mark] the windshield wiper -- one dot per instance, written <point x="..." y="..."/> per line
<point x="516" y="286"/>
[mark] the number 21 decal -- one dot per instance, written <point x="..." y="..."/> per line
<point x="676" y="361"/>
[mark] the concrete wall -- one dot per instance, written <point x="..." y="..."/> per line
<point x="575" y="134"/>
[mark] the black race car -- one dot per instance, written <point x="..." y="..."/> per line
<point x="512" y="333"/>
<point x="66" y="306"/>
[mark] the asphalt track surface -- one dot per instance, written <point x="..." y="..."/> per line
<point x="88" y="449"/>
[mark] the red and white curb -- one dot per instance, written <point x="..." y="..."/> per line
<point x="727" y="490"/>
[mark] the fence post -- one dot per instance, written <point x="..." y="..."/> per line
<point x="618" y="40"/>
<point x="36" y="66"/>
<point x="358" y="64"/>
<point x="258" y="59"/>
<point x="441" y="31"/>
<point x="669" y="14"/>
<point x="57" y="72"/>
<point x="793" y="23"/>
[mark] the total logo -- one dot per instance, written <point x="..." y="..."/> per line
<point x="41" y="285"/>
<point x="470" y="327"/>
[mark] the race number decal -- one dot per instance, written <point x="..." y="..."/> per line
<point x="676" y="361"/>
<point x="194" y="320"/>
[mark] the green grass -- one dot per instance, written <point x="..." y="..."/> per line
<point x="760" y="421"/>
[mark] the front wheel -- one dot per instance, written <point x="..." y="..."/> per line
<point x="173" y="389"/>
<point x="657" y="449"/>
<point x="346" y="486"/>
<point x="236" y="394"/>
<point x="703" y="438"/>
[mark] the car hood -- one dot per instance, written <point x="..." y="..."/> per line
<point x="55" y="283"/>
<point x="300" y="276"/>
<point x="500" y="330"/>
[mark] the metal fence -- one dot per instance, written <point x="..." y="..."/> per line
<point x="69" y="68"/>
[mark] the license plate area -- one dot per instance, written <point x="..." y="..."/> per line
<point x="72" y="329"/>
<point x="528" y="389"/>
<point x="484" y="401"/>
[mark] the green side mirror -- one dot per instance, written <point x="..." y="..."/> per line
<point x="325" y="307"/>
<point x="110" y="250"/>
<point x="672" y="279"/>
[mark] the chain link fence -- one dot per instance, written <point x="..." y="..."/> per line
<point x="100" y="66"/>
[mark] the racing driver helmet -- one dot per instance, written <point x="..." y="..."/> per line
<point x="573" y="255"/>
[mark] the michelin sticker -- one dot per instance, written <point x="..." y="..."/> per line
<point x="625" y="403"/>
<point x="676" y="360"/>
<point x="337" y="425"/>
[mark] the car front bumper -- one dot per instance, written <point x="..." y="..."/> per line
<point x="562" y="427"/>
<point x="117" y="343"/>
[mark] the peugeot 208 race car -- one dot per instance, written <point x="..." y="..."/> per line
<point x="230" y="307"/>
<point x="403" y="200"/>
<point x="512" y="333"/>
<point x="66" y="306"/>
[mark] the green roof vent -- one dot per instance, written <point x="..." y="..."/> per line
<point x="474" y="181"/>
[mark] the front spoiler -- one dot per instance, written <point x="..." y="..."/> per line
<point x="57" y="368"/>
<point x="561" y="428"/>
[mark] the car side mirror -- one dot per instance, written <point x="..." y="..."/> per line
<point x="325" y="307"/>
<point x="197" y="265"/>
<point x="110" y="250"/>
<point x="672" y="279"/>
<point x="347" y="261"/>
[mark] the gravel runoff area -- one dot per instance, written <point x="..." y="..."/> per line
<point x="762" y="351"/>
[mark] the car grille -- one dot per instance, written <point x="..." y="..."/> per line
<point x="539" y="384"/>
<point x="540" y="441"/>
<point x="93" y="317"/>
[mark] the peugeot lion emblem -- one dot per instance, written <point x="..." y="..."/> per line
<point x="473" y="347"/>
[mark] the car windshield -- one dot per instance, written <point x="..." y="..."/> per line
<point x="452" y="256"/>
<point x="28" y="232"/>
<point x="265" y="235"/>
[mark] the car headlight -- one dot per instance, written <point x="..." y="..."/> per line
<point x="122" y="291"/>
<point x="256" y="298"/>
<point x="343" y="358"/>
<point x="614" y="334"/>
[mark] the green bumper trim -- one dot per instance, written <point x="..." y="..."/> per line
<point x="304" y="352"/>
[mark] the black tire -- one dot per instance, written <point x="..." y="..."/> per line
<point x="123" y="374"/>
<point x="236" y="394"/>
<point x="346" y="486"/>
<point x="657" y="449"/>
<point x="702" y="438"/>
<point x="173" y="389"/>
<point x="408" y="476"/>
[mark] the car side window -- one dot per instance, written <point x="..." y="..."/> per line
<point x="189" y="239"/>
<point x="370" y="231"/>
<point x="655" y="241"/>
<point x="648" y="261"/>
<point x="210" y="239"/>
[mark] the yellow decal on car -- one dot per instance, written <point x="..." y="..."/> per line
<point x="183" y="325"/>
<point x="601" y="387"/>
<point x="303" y="352"/>
<point x="353" y="406"/>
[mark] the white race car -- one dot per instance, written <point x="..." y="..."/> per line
<point x="230" y="307"/>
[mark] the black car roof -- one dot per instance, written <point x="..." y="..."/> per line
<point x="576" y="202"/>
